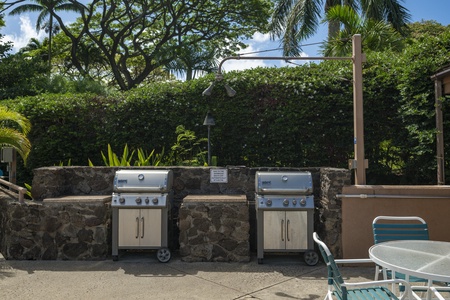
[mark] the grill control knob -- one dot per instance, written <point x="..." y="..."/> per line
<point x="147" y="200"/>
<point x="138" y="200"/>
<point x="155" y="200"/>
<point x="303" y="202"/>
<point x="121" y="200"/>
<point x="294" y="201"/>
<point x="285" y="202"/>
<point x="269" y="202"/>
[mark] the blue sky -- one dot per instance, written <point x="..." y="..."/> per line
<point x="19" y="30"/>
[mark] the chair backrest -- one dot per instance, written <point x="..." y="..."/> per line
<point x="390" y="228"/>
<point x="334" y="275"/>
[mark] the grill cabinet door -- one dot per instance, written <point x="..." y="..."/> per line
<point x="150" y="233"/>
<point x="296" y="230"/>
<point x="285" y="230"/>
<point x="128" y="227"/>
<point x="274" y="230"/>
<point x="139" y="227"/>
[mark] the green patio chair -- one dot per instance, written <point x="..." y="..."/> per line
<point x="391" y="228"/>
<point x="370" y="290"/>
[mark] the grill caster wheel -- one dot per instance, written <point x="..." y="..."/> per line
<point x="260" y="261"/>
<point x="115" y="257"/>
<point x="163" y="255"/>
<point x="311" y="258"/>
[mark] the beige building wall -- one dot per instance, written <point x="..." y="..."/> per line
<point x="431" y="203"/>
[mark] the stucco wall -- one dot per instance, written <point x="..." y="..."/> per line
<point x="431" y="203"/>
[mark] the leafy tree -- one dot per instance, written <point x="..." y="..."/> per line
<point x="14" y="128"/>
<point x="22" y="75"/>
<point x="46" y="9"/>
<point x="297" y="20"/>
<point x="156" y="31"/>
<point x="426" y="29"/>
<point x="4" y="47"/>
<point x="376" y="35"/>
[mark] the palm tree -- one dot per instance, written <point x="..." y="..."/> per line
<point x="46" y="8"/>
<point x="376" y="35"/>
<point x="14" y="128"/>
<point x="35" y="48"/>
<point x="194" y="60"/>
<point x="296" y="20"/>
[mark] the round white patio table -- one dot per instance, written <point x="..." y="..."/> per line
<point x="424" y="259"/>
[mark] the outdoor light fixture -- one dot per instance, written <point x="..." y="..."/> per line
<point x="230" y="91"/>
<point x="219" y="77"/>
<point x="208" y="91"/>
<point x="209" y="121"/>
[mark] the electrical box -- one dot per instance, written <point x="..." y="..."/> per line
<point x="7" y="155"/>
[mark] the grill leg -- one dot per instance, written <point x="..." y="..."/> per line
<point x="260" y="236"/>
<point x="115" y="234"/>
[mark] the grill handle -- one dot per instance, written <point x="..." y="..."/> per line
<point x="285" y="191"/>
<point x="287" y="230"/>
<point x="137" y="227"/>
<point x="130" y="189"/>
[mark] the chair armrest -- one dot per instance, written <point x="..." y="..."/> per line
<point x="354" y="261"/>
<point x="375" y="283"/>
<point x="436" y="293"/>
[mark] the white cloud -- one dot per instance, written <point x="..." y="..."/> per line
<point x="27" y="31"/>
<point x="260" y="38"/>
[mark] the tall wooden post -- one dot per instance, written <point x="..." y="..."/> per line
<point x="439" y="133"/>
<point x="358" y="115"/>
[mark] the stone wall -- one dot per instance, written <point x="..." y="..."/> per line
<point x="214" y="228"/>
<point x="42" y="229"/>
<point x="65" y="229"/>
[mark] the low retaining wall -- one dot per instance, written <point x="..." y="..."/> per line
<point x="49" y="229"/>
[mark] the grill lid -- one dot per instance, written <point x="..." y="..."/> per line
<point x="144" y="181"/>
<point x="283" y="183"/>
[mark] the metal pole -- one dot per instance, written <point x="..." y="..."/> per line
<point x="358" y="115"/>
<point x="209" y="146"/>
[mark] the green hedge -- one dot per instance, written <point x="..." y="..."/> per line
<point x="295" y="116"/>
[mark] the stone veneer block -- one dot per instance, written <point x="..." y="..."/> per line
<point x="214" y="228"/>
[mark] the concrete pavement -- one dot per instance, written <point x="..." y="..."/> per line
<point x="139" y="275"/>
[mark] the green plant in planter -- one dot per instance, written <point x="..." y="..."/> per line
<point x="113" y="160"/>
<point x="187" y="150"/>
<point x="151" y="159"/>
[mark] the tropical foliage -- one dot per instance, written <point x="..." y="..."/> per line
<point x="376" y="35"/>
<point x="14" y="128"/>
<point x="46" y="9"/>
<point x="296" y="20"/>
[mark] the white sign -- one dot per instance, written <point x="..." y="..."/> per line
<point x="218" y="176"/>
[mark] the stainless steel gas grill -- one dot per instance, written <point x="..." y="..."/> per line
<point x="284" y="205"/>
<point x="141" y="203"/>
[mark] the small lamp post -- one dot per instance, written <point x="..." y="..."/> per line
<point x="209" y="121"/>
